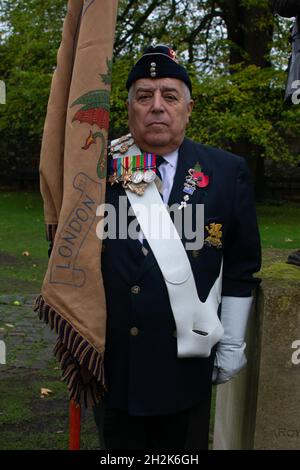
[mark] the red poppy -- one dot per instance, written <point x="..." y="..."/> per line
<point x="202" y="179"/>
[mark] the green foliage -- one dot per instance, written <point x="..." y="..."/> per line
<point x="245" y="105"/>
<point x="118" y="97"/>
<point x="195" y="29"/>
<point x="255" y="3"/>
<point x="27" y="60"/>
<point x="106" y="77"/>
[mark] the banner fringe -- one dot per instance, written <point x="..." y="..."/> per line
<point x="74" y="352"/>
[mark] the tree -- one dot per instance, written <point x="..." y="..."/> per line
<point x="250" y="30"/>
<point x="28" y="47"/>
<point x="248" y="116"/>
<point x="234" y="49"/>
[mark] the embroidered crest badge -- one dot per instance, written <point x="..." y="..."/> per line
<point x="214" y="237"/>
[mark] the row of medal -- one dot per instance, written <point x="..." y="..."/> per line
<point x="134" y="172"/>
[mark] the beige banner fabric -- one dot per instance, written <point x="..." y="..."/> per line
<point x="72" y="178"/>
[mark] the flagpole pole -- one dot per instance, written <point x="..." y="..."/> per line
<point x="74" y="435"/>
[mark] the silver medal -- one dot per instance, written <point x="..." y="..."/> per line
<point x="149" y="176"/>
<point x="137" y="177"/>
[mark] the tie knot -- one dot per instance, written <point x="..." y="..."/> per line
<point x="159" y="161"/>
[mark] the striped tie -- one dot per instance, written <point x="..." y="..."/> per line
<point x="159" y="161"/>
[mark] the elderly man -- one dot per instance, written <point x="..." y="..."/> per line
<point x="164" y="297"/>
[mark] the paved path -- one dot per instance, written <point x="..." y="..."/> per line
<point x="26" y="420"/>
<point x="29" y="342"/>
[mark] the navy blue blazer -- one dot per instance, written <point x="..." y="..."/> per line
<point x="143" y="374"/>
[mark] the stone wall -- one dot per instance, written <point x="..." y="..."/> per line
<point x="260" y="408"/>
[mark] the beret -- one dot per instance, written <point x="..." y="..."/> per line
<point x="158" y="62"/>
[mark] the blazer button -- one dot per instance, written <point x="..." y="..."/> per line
<point x="135" y="289"/>
<point x="134" y="331"/>
<point x="195" y="253"/>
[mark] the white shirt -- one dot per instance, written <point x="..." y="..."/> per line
<point x="167" y="171"/>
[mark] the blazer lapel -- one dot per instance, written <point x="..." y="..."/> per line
<point x="189" y="156"/>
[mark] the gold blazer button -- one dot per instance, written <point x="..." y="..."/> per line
<point x="135" y="289"/>
<point x="134" y="331"/>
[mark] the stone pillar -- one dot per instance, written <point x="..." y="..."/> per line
<point x="260" y="408"/>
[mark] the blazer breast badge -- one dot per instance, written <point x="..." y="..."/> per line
<point x="215" y="234"/>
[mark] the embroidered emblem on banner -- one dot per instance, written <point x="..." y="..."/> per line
<point x="95" y="111"/>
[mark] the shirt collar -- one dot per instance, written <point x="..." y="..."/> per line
<point x="172" y="157"/>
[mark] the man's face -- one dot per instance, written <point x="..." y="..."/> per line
<point x="158" y="114"/>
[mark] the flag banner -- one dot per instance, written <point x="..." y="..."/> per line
<point x="72" y="180"/>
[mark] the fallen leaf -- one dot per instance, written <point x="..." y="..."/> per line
<point x="26" y="253"/>
<point x="17" y="302"/>
<point x="34" y="265"/>
<point x="59" y="432"/>
<point x="9" y="325"/>
<point x="45" y="392"/>
<point x="288" y="240"/>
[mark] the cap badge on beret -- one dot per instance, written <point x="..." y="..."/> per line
<point x="153" y="69"/>
<point x="173" y="56"/>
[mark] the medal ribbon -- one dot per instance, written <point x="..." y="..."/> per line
<point x="129" y="164"/>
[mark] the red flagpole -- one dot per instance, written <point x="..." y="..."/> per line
<point x="74" y="436"/>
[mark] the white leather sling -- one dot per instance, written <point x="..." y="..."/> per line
<point x="197" y="323"/>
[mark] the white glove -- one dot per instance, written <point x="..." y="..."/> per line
<point x="230" y="356"/>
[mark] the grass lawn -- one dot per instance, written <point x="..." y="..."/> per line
<point x="279" y="225"/>
<point x="22" y="231"/>
<point x="26" y="421"/>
